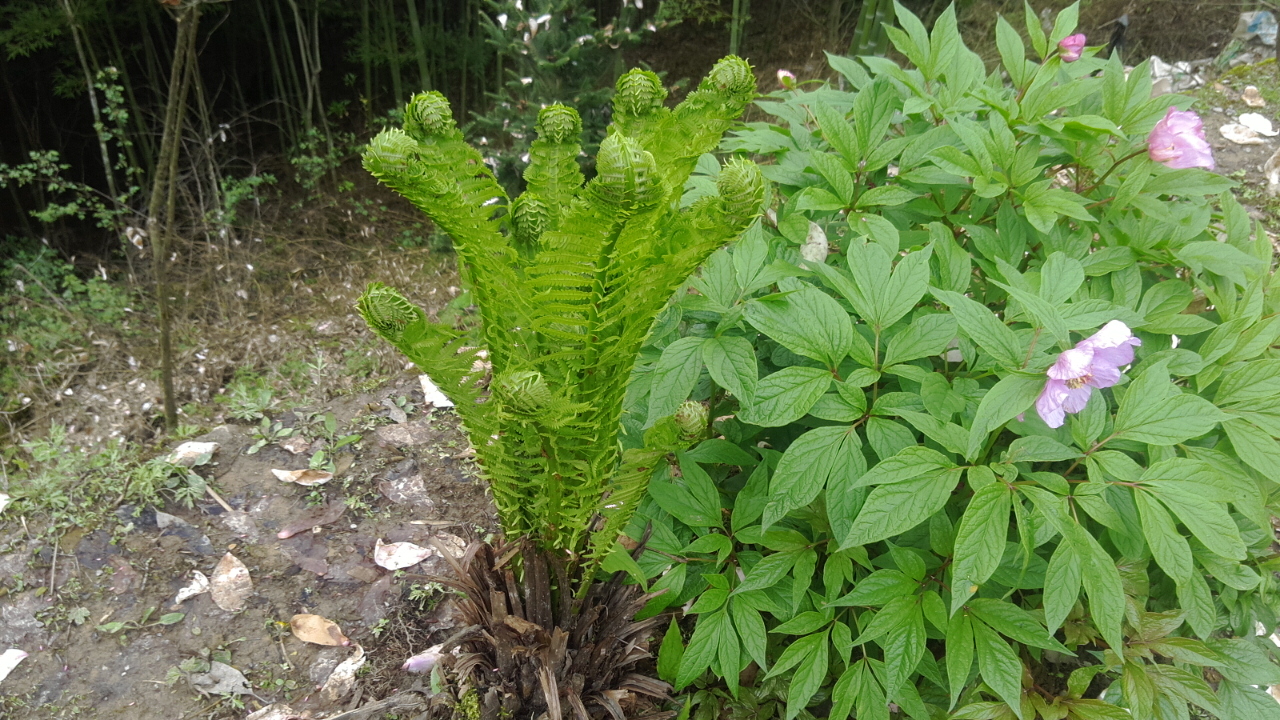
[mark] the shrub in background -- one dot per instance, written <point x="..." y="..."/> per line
<point x="568" y="279"/>
<point x="995" y="396"/>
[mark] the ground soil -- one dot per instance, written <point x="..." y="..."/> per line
<point x="411" y="481"/>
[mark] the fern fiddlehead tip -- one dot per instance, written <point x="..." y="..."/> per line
<point x="639" y="92"/>
<point x="691" y="418"/>
<point x="626" y="173"/>
<point x="523" y="391"/>
<point x="428" y="114"/>
<point x="389" y="151"/>
<point x="558" y="124"/>
<point x="741" y="186"/>
<point x="529" y="218"/>
<point x="386" y="311"/>
<point x="732" y="76"/>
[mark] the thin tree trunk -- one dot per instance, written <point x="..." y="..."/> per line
<point x="163" y="189"/>
<point x="99" y="127"/>
<point x="415" y="29"/>
<point x="288" y="129"/>
<point x="393" y="52"/>
<point x="366" y="60"/>
<point x="289" y="65"/>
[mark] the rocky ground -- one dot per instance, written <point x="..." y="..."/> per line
<point x="403" y="481"/>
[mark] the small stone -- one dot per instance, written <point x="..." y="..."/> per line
<point x="399" y="435"/>
<point x="189" y="454"/>
<point x="1252" y="97"/>
<point x="407" y="491"/>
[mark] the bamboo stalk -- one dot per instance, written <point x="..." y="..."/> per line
<point x="393" y="51"/>
<point x="415" y="29"/>
<point x="99" y="127"/>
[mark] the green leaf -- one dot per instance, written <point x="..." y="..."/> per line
<point x="1012" y="53"/>
<point x="171" y="618"/>
<point x="1257" y="380"/>
<point x="980" y="541"/>
<point x="1159" y="418"/>
<point x="1061" y="585"/>
<point x="900" y="506"/>
<point x="807" y="464"/>
<point x="885" y="195"/>
<point x="1206" y="519"/>
<point x="1061" y="276"/>
<point x="1038" y="448"/>
<point x="703" y="647"/>
<point x="1254" y="446"/>
<point x="674" y="377"/>
<point x="807" y="322"/>
<point x="1245" y="662"/>
<point x="949" y="435"/>
<point x="671" y="652"/>
<point x="809" y="675"/>
<point x="797" y="651"/>
<point x="1221" y="259"/>
<point x="959" y="647"/>
<point x="909" y="464"/>
<point x="731" y="361"/>
<point x="1013" y="395"/>
<point x="1244" y="702"/>
<point x="1170" y="549"/>
<point x="1015" y="623"/>
<point x="880" y="295"/>
<point x="111" y="628"/>
<point x="751" y="631"/>
<point x="981" y="326"/>
<point x="877" y="589"/>
<point x="903" y="645"/>
<point x="767" y="572"/>
<point x="928" y="335"/>
<point x="1044" y="313"/>
<point x="785" y="396"/>
<point x="1197" y="602"/>
<point x="1101" y="582"/>
<point x="1000" y="667"/>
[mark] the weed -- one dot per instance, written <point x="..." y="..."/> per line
<point x="113" y="628"/>
<point x="266" y="433"/>
<point x="248" y="396"/>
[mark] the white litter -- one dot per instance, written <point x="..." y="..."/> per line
<point x="190" y="453"/>
<point x="431" y="394"/>
<point x="1258" y="123"/>
<point x="1252" y="97"/>
<point x="9" y="660"/>
<point x="400" y="555"/>
<point x="815" y="245"/>
<point x="4" y="501"/>
<point x="199" y="584"/>
<point x="1241" y="135"/>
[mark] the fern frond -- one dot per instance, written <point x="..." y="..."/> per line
<point x="553" y="174"/>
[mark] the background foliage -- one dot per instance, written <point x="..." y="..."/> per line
<point x="884" y="526"/>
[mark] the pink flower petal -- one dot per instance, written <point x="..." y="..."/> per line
<point x="1076" y="399"/>
<point x="1073" y="363"/>
<point x="1071" y="47"/>
<point x="1178" y="141"/>
<point x="1049" y="404"/>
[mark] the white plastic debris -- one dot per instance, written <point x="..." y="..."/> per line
<point x="400" y="555"/>
<point x="275" y="711"/>
<point x="1258" y="123"/>
<point x="4" y="501"/>
<point x="1272" y="170"/>
<point x="1260" y="24"/>
<point x="189" y="453"/>
<point x="1173" y="77"/>
<point x="9" y="660"/>
<point x="305" y="478"/>
<point x="343" y="678"/>
<point x="1252" y="97"/>
<point x="1240" y="134"/>
<point x="431" y="394"/>
<point x="199" y="584"/>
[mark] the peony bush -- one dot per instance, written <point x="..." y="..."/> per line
<point x="988" y="405"/>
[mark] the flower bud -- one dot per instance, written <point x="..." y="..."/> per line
<point x="741" y="187"/>
<point x="1178" y="141"/>
<point x="529" y="218"/>
<point x="691" y="418"/>
<point x="640" y="92"/>
<point x="428" y="114"/>
<point x="732" y="76"/>
<point x="1070" y="47"/>
<point x="558" y="124"/>
<point x="386" y="311"/>
<point x="787" y="79"/>
<point x="626" y="173"/>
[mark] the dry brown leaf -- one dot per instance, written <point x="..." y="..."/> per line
<point x="317" y="629"/>
<point x="343" y="678"/>
<point x="230" y="585"/>
<point x="295" y="444"/>
<point x="305" y="478"/>
<point x="315" y="517"/>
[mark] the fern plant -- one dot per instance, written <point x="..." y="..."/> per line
<point x="568" y="279"/>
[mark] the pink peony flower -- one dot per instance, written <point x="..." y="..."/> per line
<point x="1178" y="141"/>
<point x="1094" y="362"/>
<point x="1070" y="47"/>
<point x="787" y="79"/>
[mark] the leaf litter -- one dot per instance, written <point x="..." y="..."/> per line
<point x="231" y="585"/>
<point x="318" y="630"/>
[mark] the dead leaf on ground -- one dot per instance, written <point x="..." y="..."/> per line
<point x="314" y="517"/>
<point x="1252" y="97"/>
<point x="222" y="679"/>
<point x="275" y="711"/>
<point x="400" y="555"/>
<point x="295" y="444"/>
<point x="317" y="629"/>
<point x="305" y="478"/>
<point x="231" y="585"/>
<point x="343" y="679"/>
<point x="199" y="584"/>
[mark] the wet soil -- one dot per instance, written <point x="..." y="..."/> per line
<point x="404" y="481"/>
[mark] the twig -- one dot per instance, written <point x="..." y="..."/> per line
<point x="395" y="702"/>
<point x="53" y="568"/>
<point x="217" y="498"/>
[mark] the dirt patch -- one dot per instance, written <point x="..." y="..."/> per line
<point x="58" y="599"/>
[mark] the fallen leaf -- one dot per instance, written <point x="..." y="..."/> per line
<point x="318" y="630"/>
<point x="314" y="517"/>
<point x="295" y="444"/>
<point x="222" y="679"/>
<point x="400" y="555"/>
<point x="424" y="661"/>
<point x="1258" y="123"/>
<point x="395" y="412"/>
<point x="454" y="544"/>
<point x="275" y="711"/>
<point x="199" y="584"/>
<point x="305" y="478"/>
<point x="1240" y="135"/>
<point x="9" y="660"/>
<point x="1252" y="97"/>
<point x="431" y="394"/>
<point x="343" y="679"/>
<point x="231" y="585"/>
